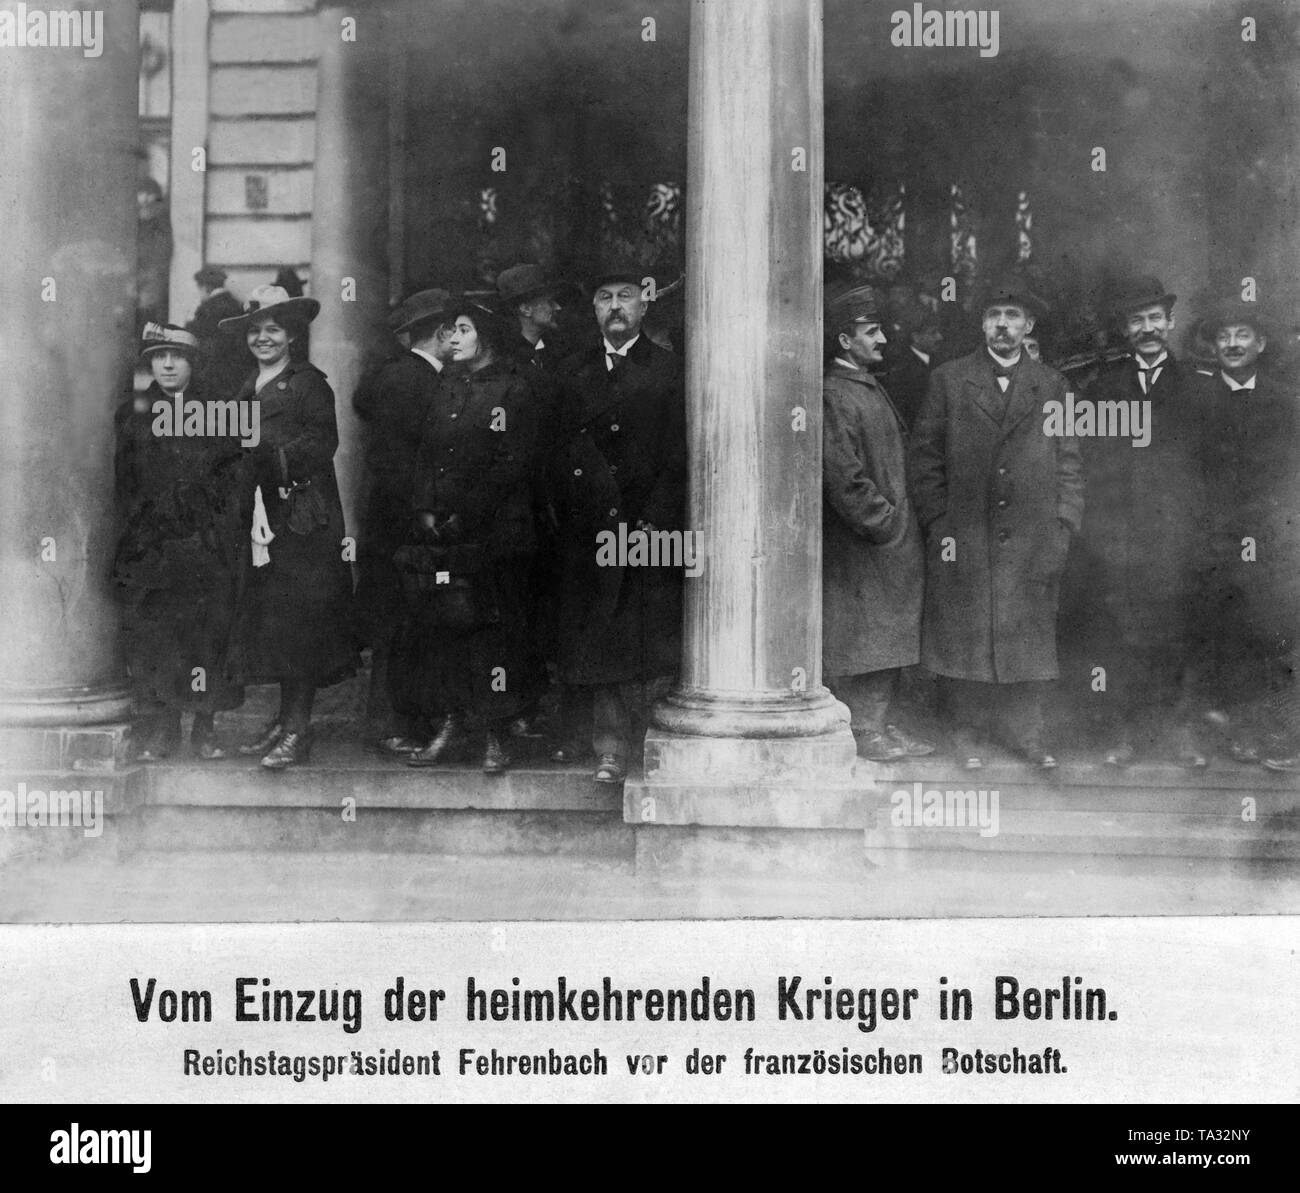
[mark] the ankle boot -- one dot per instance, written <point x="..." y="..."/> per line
<point x="446" y="742"/>
<point x="496" y="758"/>
<point x="291" y="749"/>
<point x="267" y="736"/>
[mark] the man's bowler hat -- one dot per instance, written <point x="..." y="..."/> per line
<point x="1135" y="293"/>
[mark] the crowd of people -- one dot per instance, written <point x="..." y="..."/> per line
<point x="967" y="538"/>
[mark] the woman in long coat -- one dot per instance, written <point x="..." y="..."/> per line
<point x="294" y="624"/>
<point x="474" y="529"/>
<point x="177" y="562"/>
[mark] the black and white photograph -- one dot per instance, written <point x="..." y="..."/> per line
<point x="768" y="528"/>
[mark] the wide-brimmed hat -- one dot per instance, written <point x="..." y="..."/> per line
<point x="1012" y="290"/>
<point x="266" y="300"/>
<point x="519" y="283"/>
<point x="211" y="276"/>
<point x="849" y="302"/>
<point x="1137" y="292"/>
<point x="424" y="304"/>
<point x="1229" y="312"/>
<point x="165" y="337"/>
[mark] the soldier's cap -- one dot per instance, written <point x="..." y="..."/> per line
<point x="849" y="302"/>
<point x="424" y="304"/>
<point x="164" y="337"/>
<point x="1014" y="291"/>
<point x="1232" y="312"/>
<point x="267" y="300"/>
<point x="211" y="276"/>
<point x="1135" y="293"/>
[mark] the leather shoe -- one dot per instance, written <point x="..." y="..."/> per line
<point x="879" y="747"/>
<point x="1288" y="763"/>
<point x="496" y="758"/>
<point x="565" y="753"/>
<point x="610" y="769"/>
<point x="1187" y="752"/>
<point x="266" y="738"/>
<point x="524" y="727"/>
<point x="967" y="751"/>
<point x="445" y="744"/>
<point x="1121" y="755"/>
<point x="913" y="747"/>
<point x="1244" y="751"/>
<point x="1045" y="761"/>
<point x="399" y="746"/>
<point x="291" y="749"/>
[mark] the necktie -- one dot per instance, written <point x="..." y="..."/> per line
<point x="1148" y="377"/>
<point x="611" y="360"/>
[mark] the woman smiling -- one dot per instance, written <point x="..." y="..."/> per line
<point x="294" y="625"/>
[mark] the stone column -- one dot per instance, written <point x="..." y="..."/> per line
<point x="349" y="231"/>
<point x="68" y="124"/>
<point x="751" y="712"/>
<point x="189" y="132"/>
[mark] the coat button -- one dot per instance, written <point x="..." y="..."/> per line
<point x="1002" y="472"/>
<point x="282" y="385"/>
<point x="577" y="472"/>
<point x="455" y="416"/>
<point x="1003" y="536"/>
<point x="613" y="426"/>
<point x="1002" y="504"/>
<point x="613" y="513"/>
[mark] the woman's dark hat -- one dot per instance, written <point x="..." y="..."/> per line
<point x="267" y="300"/>
<point x="211" y="277"/>
<point x="160" y="337"/>
<point x="424" y="304"/>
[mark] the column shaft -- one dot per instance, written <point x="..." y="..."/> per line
<point x="350" y="221"/>
<point x="68" y="124"/>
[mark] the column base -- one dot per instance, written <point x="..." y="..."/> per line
<point x="700" y="712"/>
<point x="795" y="782"/>
<point x="54" y="707"/>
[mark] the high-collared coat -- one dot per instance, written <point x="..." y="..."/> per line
<point x="873" y="559"/>
<point x="992" y="487"/>
<point x="621" y="459"/>
<point x="295" y="618"/>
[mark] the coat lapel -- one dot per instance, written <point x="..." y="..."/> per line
<point x="983" y="392"/>
<point x="1024" y="396"/>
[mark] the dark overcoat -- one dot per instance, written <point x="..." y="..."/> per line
<point x="1251" y="454"/>
<point x="621" y="460"/>
<point x="873" y="559"/>
<point x="295" y="620"/>
<point x="176" y="570"/>
<point x="393" y="403"/>
<point x="476" y="460"/>
<point x="908" y="380"/>
<point x="991" y="485"/>
<point x="1142" y="541"/>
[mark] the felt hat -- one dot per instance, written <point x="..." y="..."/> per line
<point x="1135" y="293"/>
<point x="266" y="300"/>
<point x="424" y="304"/>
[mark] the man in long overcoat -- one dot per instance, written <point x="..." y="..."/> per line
<point x="999" y="499"/>
<point x="873" y="559"/>
<point x="394" y="403"/>
<point x="620" y="463"/>
<point x="1251" y="634"/>
<point x="1140" y="544"/>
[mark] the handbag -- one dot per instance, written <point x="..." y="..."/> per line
<point x="307" y="505"/>
<point x="447" y="588"/>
